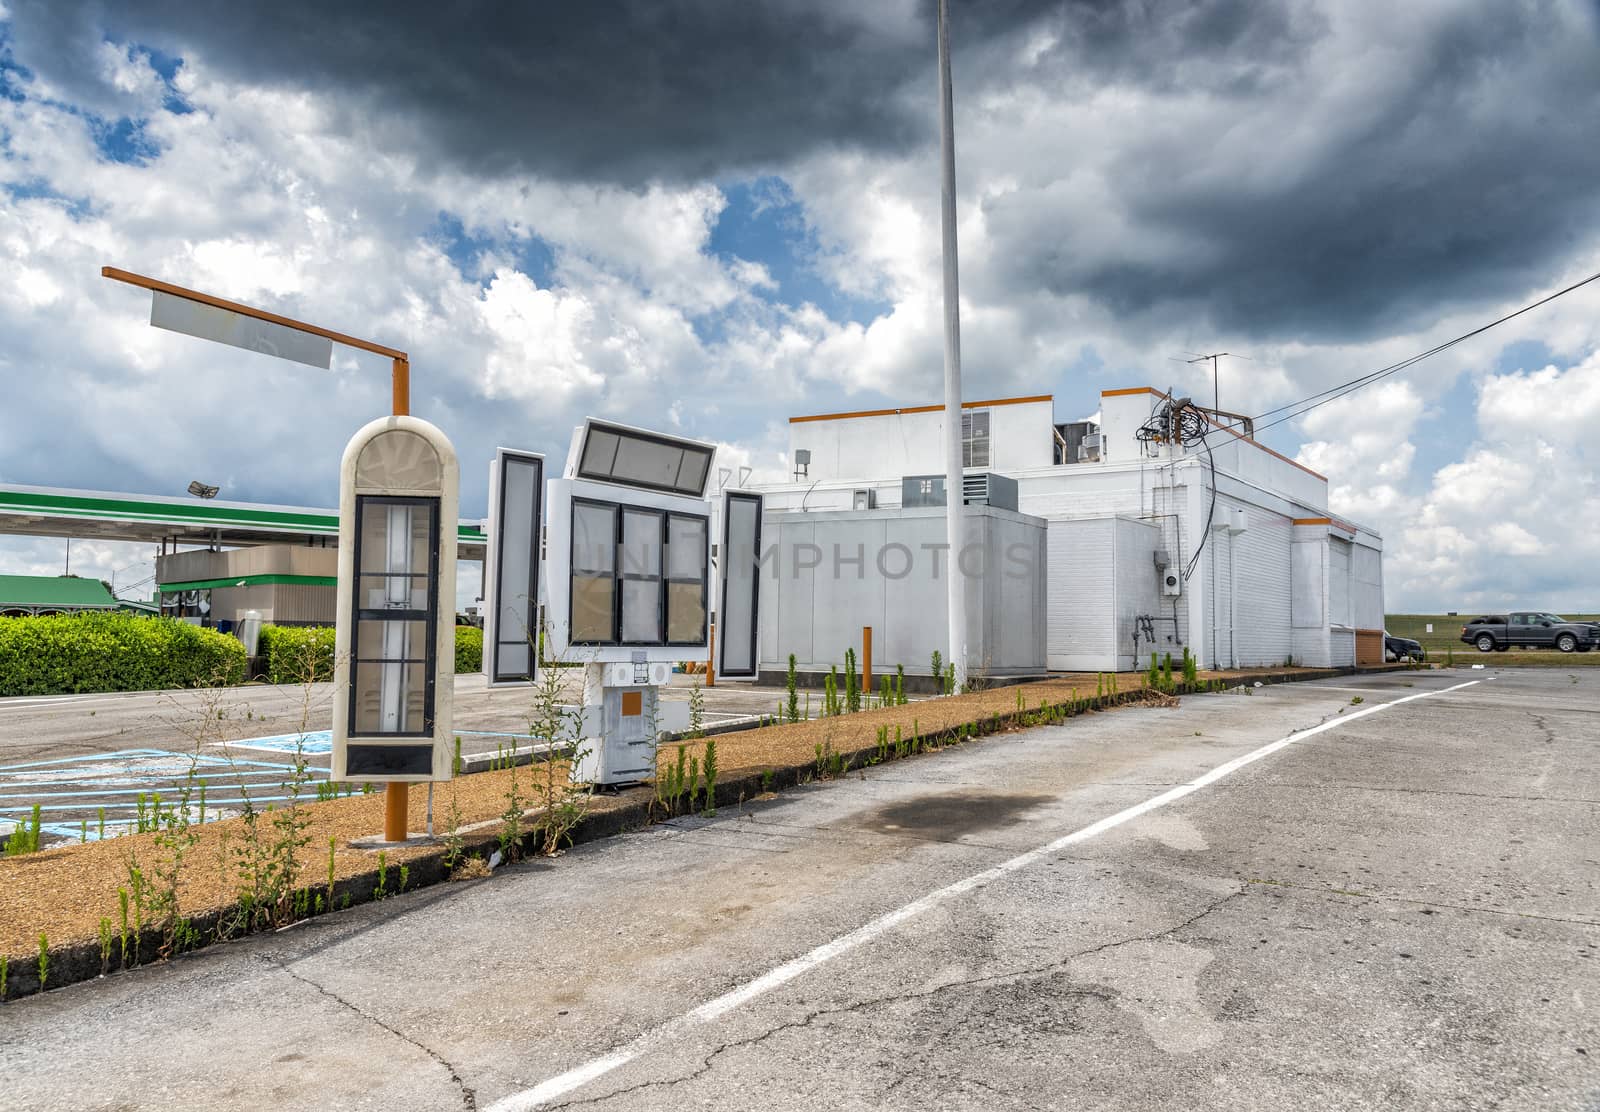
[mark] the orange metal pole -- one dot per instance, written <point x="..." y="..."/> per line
<point x="396" y="795"/>
<point x="866" y="659"/>
<point x="711" y="658"/>
<point x="402" y="387"/>
<point x="394" y="812"/>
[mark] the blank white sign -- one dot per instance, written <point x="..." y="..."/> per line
<point x="741" y="585"/>
<point x="512" y="608"/>
<point x="195" y="318"/>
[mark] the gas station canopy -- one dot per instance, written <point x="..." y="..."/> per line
<point x="49" y="512"/>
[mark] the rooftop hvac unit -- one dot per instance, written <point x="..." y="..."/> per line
<point x="989" y="489"/>
<point x="864" y="499"/>
<point x="1089" y="448"/>
<point x="982" y="489"/>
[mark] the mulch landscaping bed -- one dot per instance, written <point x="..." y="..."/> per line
<point x="64" y="893"/>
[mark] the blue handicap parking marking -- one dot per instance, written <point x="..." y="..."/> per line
<point x="114" y="781"/>
<point x="311" y="743"/>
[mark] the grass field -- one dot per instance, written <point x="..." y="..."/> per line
<point x="1447" y="633"/>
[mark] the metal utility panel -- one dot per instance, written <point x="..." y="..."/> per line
<point x="921" y="490"/>
<point x="625" y="751"/>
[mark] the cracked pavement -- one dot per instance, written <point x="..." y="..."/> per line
<point x="1403" y="911"/>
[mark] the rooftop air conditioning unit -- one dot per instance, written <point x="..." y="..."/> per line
<point x="988" y="489"/>
<point x="1089" y="448"/>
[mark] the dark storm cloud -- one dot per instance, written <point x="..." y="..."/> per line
<point x="1456" y="167"/>
<point x="602" y="90"/>
<point x="1471" y="180"/>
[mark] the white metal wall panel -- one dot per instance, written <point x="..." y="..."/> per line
<point x="1082" y="587"/>
<point x="1308" y="584"/>
<point x="1263" y="634"/>
<point x="1138" y="590"/>
<point x="1338" y="582"/>
<point x="1366" y="567"/>
<point x="1342" y="645"/>
<point x="1219" y="648"/>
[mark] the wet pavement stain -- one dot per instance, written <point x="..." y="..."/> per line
<point x="951" y="814"/>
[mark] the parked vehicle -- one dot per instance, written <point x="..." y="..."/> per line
<point x="1402" y="648"/>
<point x="1530" y="629"/>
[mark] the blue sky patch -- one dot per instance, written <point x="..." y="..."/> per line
<point x="764" y="223"/>
<point x="530" y="254"/>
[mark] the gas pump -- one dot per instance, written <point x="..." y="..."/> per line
<point x="627" y="572"/>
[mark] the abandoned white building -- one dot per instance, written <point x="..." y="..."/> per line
<point x="1165" y="525"/>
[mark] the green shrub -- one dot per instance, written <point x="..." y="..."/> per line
<point x="469" y="649"/>
<point x="283" y="651"/>
<point x="66" y="653"/>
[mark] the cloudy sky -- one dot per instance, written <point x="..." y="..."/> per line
<point x="709" y="215"/>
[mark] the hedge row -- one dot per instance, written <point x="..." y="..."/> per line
<point x="58" y="654"/>
<point x="287" y="651"/>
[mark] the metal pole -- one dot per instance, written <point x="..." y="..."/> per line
<point x="396" y="802"/>
<point x="402" y="387"/>
<point x="1216" y="387"/>
<point x="955" y="535"/>
<point x="866" y="659"/>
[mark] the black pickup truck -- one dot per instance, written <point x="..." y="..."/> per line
<point x="1530" y="629"/>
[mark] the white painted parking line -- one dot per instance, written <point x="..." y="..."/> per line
<point x="576" y="1078"/>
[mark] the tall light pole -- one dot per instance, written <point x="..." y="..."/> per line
<point x="955" y="534"/>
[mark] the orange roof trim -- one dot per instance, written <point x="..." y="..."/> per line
<point x="922" y="409"/>
<point x="1342" y="526"/>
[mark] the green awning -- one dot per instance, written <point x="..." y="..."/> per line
<point x="249" y="581"/>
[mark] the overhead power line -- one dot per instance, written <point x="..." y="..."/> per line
<point x="1305" y="405"/>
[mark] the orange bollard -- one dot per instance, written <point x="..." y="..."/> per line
<point x="866" y="659"/>
<point x="711" y="656"/>
<point x="395" y="813"/>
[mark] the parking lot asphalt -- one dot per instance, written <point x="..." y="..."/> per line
<point x="1374" y="891"/>
<point x="84" y="758"/>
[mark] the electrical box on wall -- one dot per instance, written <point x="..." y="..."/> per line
<point x="866" y="499"/>
<point x="1171" y="581"/>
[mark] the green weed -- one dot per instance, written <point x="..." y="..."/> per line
<point x="709" y="771"/>
<point x="44" y="961"/>
<point x="852" y="686"/>
<point x="791" y="685"/>
<point x="25" y="837"/>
